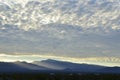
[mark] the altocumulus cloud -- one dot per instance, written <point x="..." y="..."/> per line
<point x="69" y="28"/>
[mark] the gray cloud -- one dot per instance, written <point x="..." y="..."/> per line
<point x="84" y="29"/>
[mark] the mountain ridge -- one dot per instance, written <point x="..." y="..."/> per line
<point x="54" y="66"/>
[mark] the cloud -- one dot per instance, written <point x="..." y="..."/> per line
<point x="86" y="14"/>
<point x="69" y="28"/>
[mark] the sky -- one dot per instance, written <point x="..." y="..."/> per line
<point x="81" y="31"/>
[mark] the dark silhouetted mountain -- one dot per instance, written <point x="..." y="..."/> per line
<point x="110" y="70"/>
<point x="74" y="67"/>
<point x="68" y="66"/>
<point x="54" y="66"/>
<point x="11" y="67"/>
<point x="19" y="67"/>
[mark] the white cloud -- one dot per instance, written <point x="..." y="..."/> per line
<point x="86" y="14"/>
<point x="82" y="28"/>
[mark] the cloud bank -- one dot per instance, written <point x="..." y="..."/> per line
<point x="69" y="28"/>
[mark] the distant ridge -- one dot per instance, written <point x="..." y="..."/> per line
<point x="67" y="65"/>
<point x="50" y="65"/>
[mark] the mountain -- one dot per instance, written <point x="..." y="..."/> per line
<point x="110" y="70"/>
<point x="30" y="66"/>
<point x="54" y="66"/>
<point x="68" y="66"/>
<point x="74" y="67"/>
<point x="13" y="67"/>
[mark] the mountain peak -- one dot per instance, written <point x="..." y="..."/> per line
<point x="50" y="60"/>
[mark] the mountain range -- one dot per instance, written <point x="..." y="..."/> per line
<point x="54" y="66"/>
